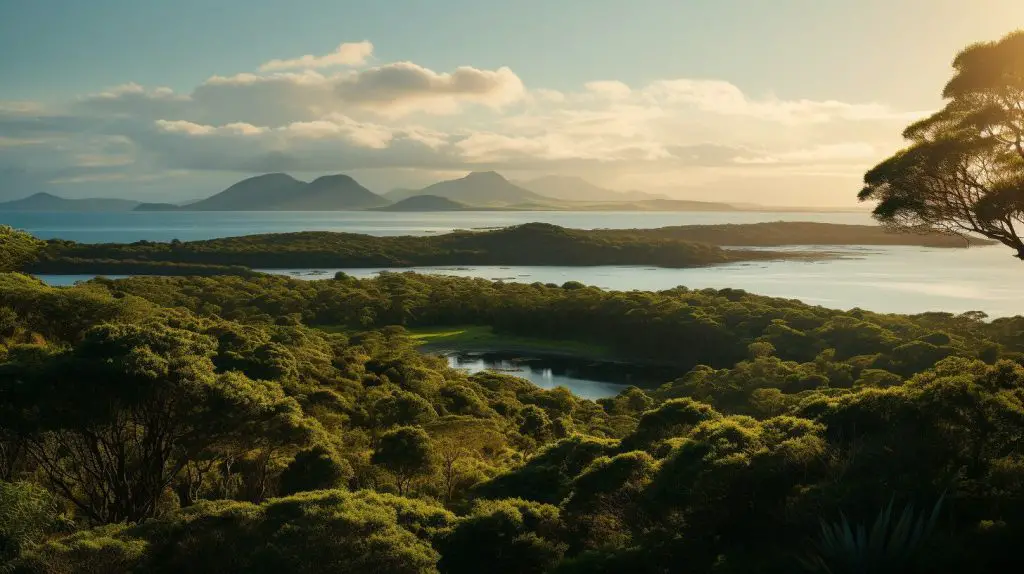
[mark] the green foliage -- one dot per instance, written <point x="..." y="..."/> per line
<point x="178" y="407"/>
<point x="406" y="453"/>
<point x="112" y="421"/>
<point x="963" y="171"/>
<point x="17" y="249"/>
<point x="889" y="546"/>
<point x="504" y="536"/>
<point x="328" y="531"/>
<point x="28" y="513"/>
<point x="314" y="469"/>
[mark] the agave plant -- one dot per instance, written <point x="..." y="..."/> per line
<point x="889" y="546"/>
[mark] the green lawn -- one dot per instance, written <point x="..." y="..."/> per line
<point x="482" y="338"/>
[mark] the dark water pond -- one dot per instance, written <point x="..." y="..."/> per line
<point x="586" y="379"/>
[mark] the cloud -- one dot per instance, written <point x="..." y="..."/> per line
<point x="297" y="115"/>
<point x="349" y="54"/>
<point x="841" y="152"/>
<point x="609" y="88"/>
<point x="403" y="86"/>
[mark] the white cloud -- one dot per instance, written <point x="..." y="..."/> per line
<point x="402" y="115"/>
<point x="609" y="88"/>
<point x="403" y="87"/>
<point x="856" y="151"/>
<point x="348" y="54"/>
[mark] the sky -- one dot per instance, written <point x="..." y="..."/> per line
<point x="781" y="102"/>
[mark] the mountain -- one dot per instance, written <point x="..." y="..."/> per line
<point x="483" y="188"/>
<point x="682" y="205"/>
<point x="400" y="193"/>
<point x="569" y="188"/>
<point x="425" y="203"/>
<point x="334" y="193"/>
<point x="158" y="207"/>
<point x="254" y="194"/>
<point x="49" y="202"/>
<point x="282" y="192"/>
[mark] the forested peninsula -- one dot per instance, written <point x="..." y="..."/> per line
<point x="528" y="244"/>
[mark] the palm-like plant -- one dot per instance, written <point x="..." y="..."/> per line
<point x="889" y="546"/>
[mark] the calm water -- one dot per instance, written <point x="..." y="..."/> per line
<point x="588" y="380"/>
<point x="158" y="226"/>
<point x="885" y="279"/>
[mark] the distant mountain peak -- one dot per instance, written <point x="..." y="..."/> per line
<point x="43" y="201"/>
<point x="282" y="192"/>
<point x="335" y="178"/>
<point x="485" y="175"/>
<point x="481" y="188"/>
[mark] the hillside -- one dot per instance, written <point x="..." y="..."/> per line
<point x="425" y="203"/>
<point x="483" y="188"/>
<point x="528" y="244"/>
<point x="50" y="202"/>
<point x="282" y="192"/>
<point x="570" y="188"/>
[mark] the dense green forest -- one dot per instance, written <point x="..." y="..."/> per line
<point x="267" y="424"/>
<point x="528" y="244"/>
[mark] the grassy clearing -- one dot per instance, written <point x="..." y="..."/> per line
<point x="482" y="338"/>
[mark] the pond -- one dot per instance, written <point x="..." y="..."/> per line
<point x="585" y="379"/>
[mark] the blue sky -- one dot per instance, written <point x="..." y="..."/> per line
<point x="814" y="91"/>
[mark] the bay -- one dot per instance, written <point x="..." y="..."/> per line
<point x="889" y="279"/>
<point x="132" y="226"/>
<point x="896" y="279"/>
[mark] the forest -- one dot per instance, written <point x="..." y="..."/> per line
<point x="268" y="424"/>
<point x="527" y="244"/>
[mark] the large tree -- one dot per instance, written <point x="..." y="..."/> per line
<point x="963" y="171"/>
<point x="113" y="421"/>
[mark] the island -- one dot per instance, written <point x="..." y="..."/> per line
<point x="533" y="244"/>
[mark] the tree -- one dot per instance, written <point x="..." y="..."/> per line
<point x="312" y="532"/>
<point x="314" y="469"/>
<point x="406" y="452"/>
<point x="457" y="442"/>
<point x="112" y="422"/>
<point x="16" y="248"/>
<point x="513" y="536"/>
<point x="535" y="423"/>
<point x="963" y="171"/>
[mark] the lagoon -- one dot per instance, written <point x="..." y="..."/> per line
<point x="583" y="378"/>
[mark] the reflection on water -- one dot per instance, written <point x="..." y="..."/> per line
<point x="585" y="379"/>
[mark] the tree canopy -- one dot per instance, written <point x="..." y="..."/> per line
<point x="963" y="171"/>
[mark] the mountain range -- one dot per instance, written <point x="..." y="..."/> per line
<point x="487" y="190"/>
<point x="44" y="201"/>
<point x="569" y="188"/>
<point x="282" y="192"/>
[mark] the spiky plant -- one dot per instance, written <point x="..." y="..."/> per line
<point x="889" y="546"/>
